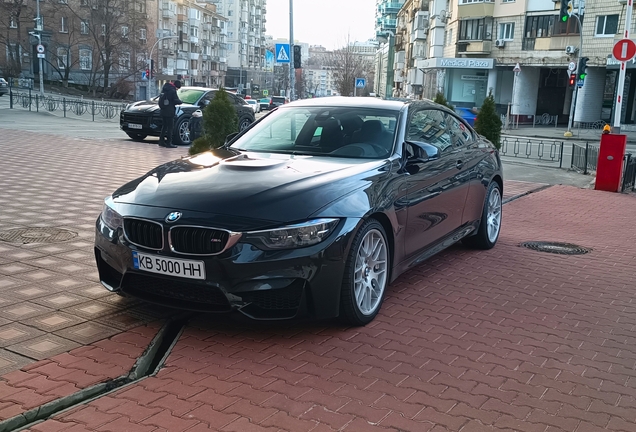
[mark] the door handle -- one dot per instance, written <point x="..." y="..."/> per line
<point x="459" y="164"/>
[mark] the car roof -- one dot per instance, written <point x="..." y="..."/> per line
<point x="363" y="102"/>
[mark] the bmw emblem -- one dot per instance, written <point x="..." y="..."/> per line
<point x="173" y="217"/>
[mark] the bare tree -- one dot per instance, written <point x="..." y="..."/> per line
<point x="346" y="66"/>
<point x="281" y="78"/>
<point x="13" y="16"/>
<point x="300" y="84"/>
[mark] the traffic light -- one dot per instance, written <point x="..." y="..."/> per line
<point x="297" y="57"/>
<point x="151" y="69"/>
<point x="572" y="81"/>
<point x="566" y="10"/>
<point x="582" y="66"/>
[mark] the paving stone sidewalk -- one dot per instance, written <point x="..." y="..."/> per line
<point x="505" y="340"/>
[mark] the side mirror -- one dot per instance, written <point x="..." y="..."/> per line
<point x="420" y="152"/>
<point x="230" y="137"/>
<point x="203" y="103"/>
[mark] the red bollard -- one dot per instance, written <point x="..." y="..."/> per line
<point x="609" y="171"/>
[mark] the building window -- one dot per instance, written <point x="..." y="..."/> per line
<point x="84" y="27"/>
<point x="508" y="1"/>
<point x="539" y="26"/>
<point x="507" y="31"/>
<point x="475" y="29"/>
<point x="63" y="25"/>
<point x="461" y="2"/>
<point x="124" y="32"/>
<point x="13" y="22"/>
<point x="142" y="34"/>
<point x="86" y="59"/>
<point x="103" y="29"/>
<point x="606" y="25"/>
<point x="63" y="58"/>
<point x="570" y="27"/>
<point x="124" y="61"/>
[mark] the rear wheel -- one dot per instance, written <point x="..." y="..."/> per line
<point x="244" y="123"/>
<point x="137" y="136"/>
<point x="490" y="225"/>
<point x="366" y="275"/>
<point x="182" y="132"/>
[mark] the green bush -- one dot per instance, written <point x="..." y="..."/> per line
<point x="219" y="120"/>
<point x="488" y="122"/>
<point x="440" y="99"/>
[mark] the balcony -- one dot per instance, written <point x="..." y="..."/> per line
<point x="194" y="22"/>
<point x="167" y="71"/>
<point x="419" y="34"/>
<point x="194" y="39"/>
<point x="222" y="59"/>
<point x="390" y="8"/>
<point x="166" y="13"/>
<point x="554" y="43"/>
<point x="181" y="18"/>
<point x="183" y="55"/>
<point x="205" y="57"/>
<point x="207" y="26"/>
<point x="473" y="10"/>
<point x="194" y="56"/>
<point x="474" y="47"/>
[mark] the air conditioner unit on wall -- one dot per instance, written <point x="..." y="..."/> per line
<point x="570" y="49"/>
<point x="500" y="43"/>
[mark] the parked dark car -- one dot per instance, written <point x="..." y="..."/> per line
<point x="142" y="119"/>
<point x="276" y="101"/>
<point x="314" y="209"/>
<point x="4" y="87"/>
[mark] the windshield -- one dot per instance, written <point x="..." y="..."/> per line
<point x="251" y="101"/>
<point x="189" y="96"/>
<point x="324" y="131"/>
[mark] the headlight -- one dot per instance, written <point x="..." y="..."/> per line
<point x="110" y="217"/>
<point x="292" y="236"/>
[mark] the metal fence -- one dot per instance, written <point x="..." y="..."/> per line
<point x="546" y="150"/>
<point x="629" y="173"/>
<point x="584" y="158"/>
<point x="78" y="107"/>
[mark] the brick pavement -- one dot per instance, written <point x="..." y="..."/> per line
<point x="505" y="340"/>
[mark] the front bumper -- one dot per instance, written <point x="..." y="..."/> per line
<point x="150" y="124"/>
<point x="260" y="284"/>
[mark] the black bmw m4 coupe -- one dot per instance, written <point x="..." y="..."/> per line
<point x="313" y="210"/>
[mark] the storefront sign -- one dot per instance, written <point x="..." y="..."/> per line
<point x="474" y="78"/>
<point x="612" y="63"/>
<point x="456" y="63"/>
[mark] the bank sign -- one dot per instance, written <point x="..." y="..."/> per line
<point x="456" y="63"/>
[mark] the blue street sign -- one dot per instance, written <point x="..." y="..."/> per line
<point x="361" y="83"/>
<point x="282" y="53"/>
<point x="143" y="76"/>
<point x="580" y="83"/>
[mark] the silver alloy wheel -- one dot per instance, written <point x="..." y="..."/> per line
<point x="184" y="132"/>
<point x="244" y="124"/>
<point x="370" y="275"/>
<point x="493" y="219"/>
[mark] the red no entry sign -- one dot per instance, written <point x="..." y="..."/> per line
<point x="624" y="50"/>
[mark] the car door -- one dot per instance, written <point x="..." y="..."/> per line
<point x="434" y="195"/>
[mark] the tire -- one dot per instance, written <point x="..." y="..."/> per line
<point x="136" y="136"/>
<point x="182" y="132"/>
<point x="490" y="225"/>
<point x="360" y="301"/>
<point x="244" y="123"/>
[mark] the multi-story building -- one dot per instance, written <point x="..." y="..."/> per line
<point x="192" y="43"/>
<point x="246" y="44"/>
<point x="386" y="16"/>
<point x="469" y="48"/>
<point x="385" y="28"/>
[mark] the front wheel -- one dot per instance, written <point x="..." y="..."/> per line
<point x="490" y="225"/>
<point x="182" y="132"/>
<point x="244" y="123"/>
<point x="366" y="275"/>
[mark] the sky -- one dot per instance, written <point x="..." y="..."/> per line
<point x="323" y="22"/>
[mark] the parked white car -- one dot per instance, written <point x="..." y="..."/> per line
<point x="254" y="104"/>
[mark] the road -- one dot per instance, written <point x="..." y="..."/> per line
<point x="82" y="127"/>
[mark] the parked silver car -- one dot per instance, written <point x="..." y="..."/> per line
<point x="4" y="87"/>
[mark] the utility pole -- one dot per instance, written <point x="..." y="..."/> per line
<point x="575" y="92"/>
<point x="38" y="29"/>
<point x="291" y="50"/>
<point x="621" y="75"/>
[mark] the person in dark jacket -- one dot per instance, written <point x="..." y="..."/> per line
<point x="168" y="100"/>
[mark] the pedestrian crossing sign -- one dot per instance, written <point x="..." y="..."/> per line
<point x="282" y="53"/>
<point x="361" y="82"/>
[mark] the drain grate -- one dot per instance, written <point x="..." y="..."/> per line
<point x="37" y="235"/>
<point x="556" y="247"/>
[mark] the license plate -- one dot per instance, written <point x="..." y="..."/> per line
<point x="134" y="126"/>
<point x="169" y="266"/>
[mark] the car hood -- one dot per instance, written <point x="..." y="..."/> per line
<point x="273" y="187"/>
<point x="151" y="107"/>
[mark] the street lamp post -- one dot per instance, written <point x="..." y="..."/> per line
<point x="38" y="34"/>
<point x="291" y="50"/>
<point x="575" y="94"/>
<point x="152" y="81"/>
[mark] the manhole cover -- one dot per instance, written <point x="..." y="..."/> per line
<point x="556" y="248"/>
<point x="37" y="235"/>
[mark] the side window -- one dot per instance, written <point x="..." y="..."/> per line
<point x="429" y="126"/>
<point x="459" y="133"/>
<point x="208" y="97"/>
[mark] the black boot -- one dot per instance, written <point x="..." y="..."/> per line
<point x="170" y="145"/>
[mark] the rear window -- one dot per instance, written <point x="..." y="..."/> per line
<point x="278" y="99"/>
